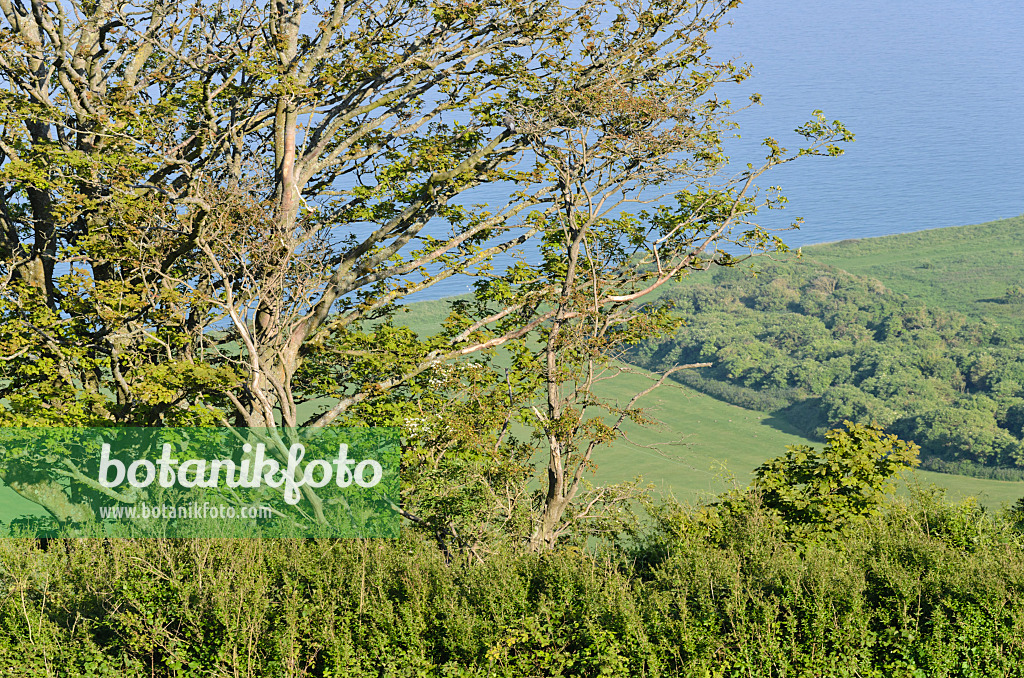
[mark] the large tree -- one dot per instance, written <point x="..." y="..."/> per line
<point x="210" y="210"/>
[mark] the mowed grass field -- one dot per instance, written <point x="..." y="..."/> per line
<point x="13" y="505"/>
<point x="704" y="446"/>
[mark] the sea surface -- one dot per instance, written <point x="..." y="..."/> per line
<point x="933" y="91"/>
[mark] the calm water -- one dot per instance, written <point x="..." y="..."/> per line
<point x="933" y="91"/>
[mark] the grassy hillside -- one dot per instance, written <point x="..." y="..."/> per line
<point x="961" y="268"/>
<point x="13" y="504"/>
<point x="721" y="443"/>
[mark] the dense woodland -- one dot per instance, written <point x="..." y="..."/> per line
<point x="819" y="345"/>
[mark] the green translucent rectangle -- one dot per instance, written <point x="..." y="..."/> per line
<point x="200" y="482"/>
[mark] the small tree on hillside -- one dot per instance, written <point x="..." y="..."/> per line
<point x="815" y="491"/>
<point x="1014" y="295"/>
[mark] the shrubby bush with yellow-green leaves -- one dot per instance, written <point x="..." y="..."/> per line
<point x="921" y="587"/>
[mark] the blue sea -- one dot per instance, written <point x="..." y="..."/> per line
<point x="933" y="91"/>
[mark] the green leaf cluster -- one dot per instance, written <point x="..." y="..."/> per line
<point x="828" y="490"/>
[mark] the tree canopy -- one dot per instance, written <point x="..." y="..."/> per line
<point x="819" y="346"/>
<point x="210" y="210"/>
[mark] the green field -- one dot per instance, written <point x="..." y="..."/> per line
<point x="721" y="441"/>
<point x="721" y="444"/>
<point x="961" y="268"/>
<point x="13" y="504"/>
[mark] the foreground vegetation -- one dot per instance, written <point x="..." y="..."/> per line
<point x="924" y="588"/>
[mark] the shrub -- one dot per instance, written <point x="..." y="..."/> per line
<point x="922" y="587"/>
<point x="816" y="491"/>
<point x="1014" y="295"/>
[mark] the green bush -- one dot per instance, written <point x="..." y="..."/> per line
<point x="816" y="491"/>
<point x="1014" y="295"/>
<point x="923" y="587"/>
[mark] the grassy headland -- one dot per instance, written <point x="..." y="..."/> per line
<point x="961" y="268"/>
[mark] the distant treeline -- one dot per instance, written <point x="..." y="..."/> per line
<point x="819" y="346"/>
